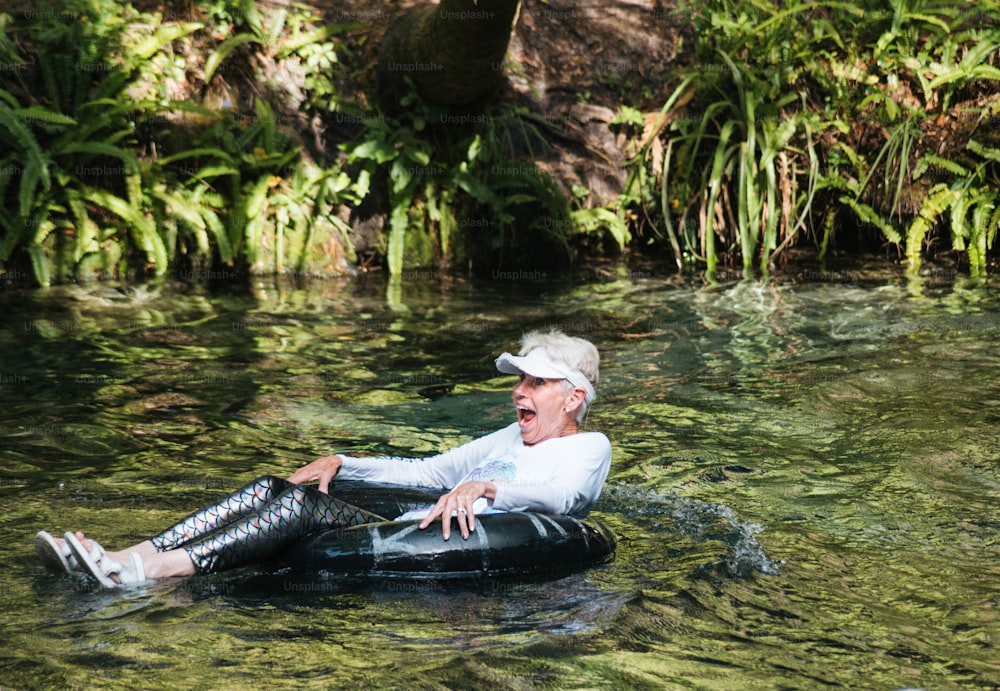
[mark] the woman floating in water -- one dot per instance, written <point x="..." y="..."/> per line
<point x="540" y="463"/>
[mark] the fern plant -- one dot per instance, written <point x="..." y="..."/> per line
<point x="968" y="205"/>
<point x="71" y="123"/>
<point x="915" y="61"/>
<point x="731" y="159"/>
<point x="439" y="177"/>
<point x="100" y="180"/>
<point x="80" y="169"/>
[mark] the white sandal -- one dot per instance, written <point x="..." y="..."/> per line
<point x="98" y="564"/>
<point x="57" y="559"/>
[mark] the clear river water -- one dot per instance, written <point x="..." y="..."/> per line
<point x="804" y="484"/>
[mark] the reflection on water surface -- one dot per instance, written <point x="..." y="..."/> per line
<point x="803" y="487"/>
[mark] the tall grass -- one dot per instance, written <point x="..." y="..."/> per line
<point x="103" y="174"/>
<point x="797" y="116"/>
<point x="67" y="130"/>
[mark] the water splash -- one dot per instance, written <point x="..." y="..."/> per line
<point x="697" y="520"/>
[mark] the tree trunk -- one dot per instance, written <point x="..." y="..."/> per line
<point x="453" y="51"/>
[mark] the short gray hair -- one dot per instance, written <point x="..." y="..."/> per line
<point x="574" y="353"/>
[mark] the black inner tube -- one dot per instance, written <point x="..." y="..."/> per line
<point x="503" y="544"/>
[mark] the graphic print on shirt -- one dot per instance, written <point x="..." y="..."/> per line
<point x="492" y="471"/>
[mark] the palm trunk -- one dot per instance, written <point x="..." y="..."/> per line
<point x="453" y="51"/>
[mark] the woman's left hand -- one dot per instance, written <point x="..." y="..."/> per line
<point x="460" y="501"/>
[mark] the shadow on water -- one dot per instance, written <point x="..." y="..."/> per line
<point x="803" y="484"/>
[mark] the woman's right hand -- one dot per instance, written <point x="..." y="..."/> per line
<point x="322" y="469"/>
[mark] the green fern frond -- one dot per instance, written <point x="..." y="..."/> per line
<point x="23" y="138"/>
<point x="164" y="35"/>
<point x="938" y="199"/>
<point x="222" y="52"/>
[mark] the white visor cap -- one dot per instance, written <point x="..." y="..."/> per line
<point x="538" y="363"/>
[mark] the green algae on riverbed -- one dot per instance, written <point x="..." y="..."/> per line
<point x="803" y="486"/>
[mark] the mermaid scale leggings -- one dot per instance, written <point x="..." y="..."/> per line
<point x="255" y="523"/>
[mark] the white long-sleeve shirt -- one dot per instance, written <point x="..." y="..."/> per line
<point x="563" y="475"/>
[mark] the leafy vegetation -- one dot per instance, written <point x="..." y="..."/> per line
<point x="136" y="142"/>
<point x="107" y="175"/>
<point x="459" y="178"/>
<point x="809" y="116"/>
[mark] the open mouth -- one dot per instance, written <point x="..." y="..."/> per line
<point x="525" y="415"/>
